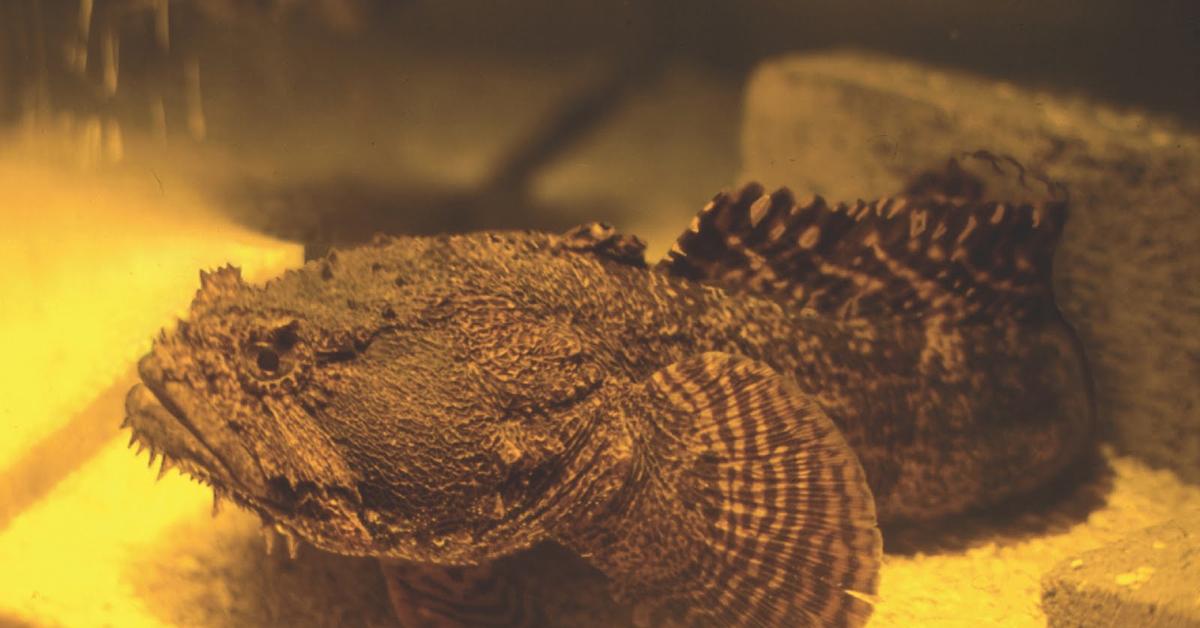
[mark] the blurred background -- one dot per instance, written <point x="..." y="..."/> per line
<point x="141" y="140"/>
<point x="417" y="116"/>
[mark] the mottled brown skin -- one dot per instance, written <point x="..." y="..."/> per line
<point x="454" y="399"/>
<point x="991" y="412"/>
<point x="445" y="395"/>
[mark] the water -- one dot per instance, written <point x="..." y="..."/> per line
<point x="141" y="140"/>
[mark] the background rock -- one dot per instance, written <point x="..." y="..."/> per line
<point x="1150" y="578"/>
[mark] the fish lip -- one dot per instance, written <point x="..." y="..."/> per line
<point x="148" y="406"/>
<point x="145" y="408"/>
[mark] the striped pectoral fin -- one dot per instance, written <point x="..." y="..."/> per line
<point x="744" y="506"/>
<point x="435" y="596"/>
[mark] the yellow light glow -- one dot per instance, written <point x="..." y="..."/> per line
<point x="92" y="267"/>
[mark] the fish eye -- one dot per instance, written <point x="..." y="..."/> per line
<point x="272" y="357"/>
<point x="285" y="338"/>
<point x="267" y="360"/>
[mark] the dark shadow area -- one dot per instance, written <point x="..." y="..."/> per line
<point x="216" y="573"/>
<point x="568" y="592"/>
<point x="7" y="621"/>
<point x="345" y="211"/>
<point x="260" y="56"/>
<point x="1054" y="508"/>
<point x="1127" y="53"/>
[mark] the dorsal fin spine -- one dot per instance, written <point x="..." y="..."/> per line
<point x="894" y="256"/>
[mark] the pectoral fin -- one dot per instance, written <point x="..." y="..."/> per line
<point x="743" y="505"/>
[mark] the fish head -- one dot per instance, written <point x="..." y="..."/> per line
<point x="381" y="402"/>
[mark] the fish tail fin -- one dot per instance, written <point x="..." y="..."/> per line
<point x="742" y="505"/>
<point x="938" y="249"/>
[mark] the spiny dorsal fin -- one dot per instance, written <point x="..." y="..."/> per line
<point x="744" y="505"/>
<point x="931" y="254"/>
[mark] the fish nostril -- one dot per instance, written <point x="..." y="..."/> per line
<point x="280" y="489"/>
<point x="137" y="400"/>
<point x="150" y="368"/>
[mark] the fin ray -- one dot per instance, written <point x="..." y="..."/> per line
<point x="744" y="505"/>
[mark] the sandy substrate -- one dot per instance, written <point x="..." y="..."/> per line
<point x="993" y="577"/>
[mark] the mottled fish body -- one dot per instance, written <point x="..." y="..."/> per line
<point x="719" y="433"/>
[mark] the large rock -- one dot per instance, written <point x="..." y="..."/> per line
<point x="1150" y="578"/>
<point x="1128" y="272"/>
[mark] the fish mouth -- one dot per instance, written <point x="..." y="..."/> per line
<point x="174" y="421"/>
<point x="170" y="419"/>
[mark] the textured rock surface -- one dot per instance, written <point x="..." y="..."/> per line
<point x="1150" y="578"/>
<point x="985" y="569"/>
<point x="848" y="126"/>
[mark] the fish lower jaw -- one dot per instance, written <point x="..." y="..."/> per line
<point x="271" y="529"/>
<point x="185" y="467"/>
